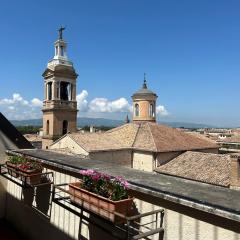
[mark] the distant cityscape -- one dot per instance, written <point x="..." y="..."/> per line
<point x="68" y="177"/>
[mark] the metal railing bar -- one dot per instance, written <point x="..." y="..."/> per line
<point x="146" y="234"/>
<point x="144" y="214"/>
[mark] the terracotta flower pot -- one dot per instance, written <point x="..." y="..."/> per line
<point x="31" y="177"/>
<point x="12" y="169"/>
<point x="99" y="205"/>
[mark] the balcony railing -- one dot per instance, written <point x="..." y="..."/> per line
<point x="131" y="229"/>
<point x="49" y="104"/>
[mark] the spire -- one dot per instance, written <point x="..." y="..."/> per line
<point x="144" y="82"/>
<point x="60" y="56"/>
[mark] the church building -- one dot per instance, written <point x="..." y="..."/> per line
<point x="141" y="144"/>
<point x="59" y="105"/>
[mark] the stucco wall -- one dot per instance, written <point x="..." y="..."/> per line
<point x="182" y="227"/>
<point x="144" y="106"/>
<point x="67" y="142"/>
<point x="163" y="158"/>
<point x="63" y="225"/>
<point x="143" y="161"/>
<point x="122" y="157"/>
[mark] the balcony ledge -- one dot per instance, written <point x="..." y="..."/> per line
<point x="208" y="198"/>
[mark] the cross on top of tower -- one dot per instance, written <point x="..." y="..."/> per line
<point x="60" y="32"/>
<point x="145" y="82"/>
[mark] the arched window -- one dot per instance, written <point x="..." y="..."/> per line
<point x="151" y="110"/>
<point x="65" y="127"/>
<point x="136" y="110"/>
<point x="62" y="51"/>
<point x="65" y="91"/>
<point x="47" y="128"/>
<point x="49" y="90"/>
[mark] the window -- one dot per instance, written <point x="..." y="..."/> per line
<point x="49" y="90"/>
<point x="47" y="128"/>
<point x="65" y="127"/>
<point x="65" y="91"/>
<point x="62" y="51"/>
<point x="136" y="110"/>
<point x="151" y="110"/>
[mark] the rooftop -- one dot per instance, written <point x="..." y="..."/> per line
<point x="12" y="134"/>
<point x="33" y="137"/>
<point x="204" y="167"/>
<point x="158" y="138"/>
<point x="232" y="139"/>
<point x="150" y="137"/>
<point x="144" y="91"/>
<point x="205" y="197"/>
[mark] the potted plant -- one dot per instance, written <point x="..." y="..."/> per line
<point x="30" y="172"/>
<point x="102" y="195"/>
<point x="13" y="163"/>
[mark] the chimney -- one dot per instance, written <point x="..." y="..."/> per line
<point x="235" y="171"/>
<point x="92" y="129"/>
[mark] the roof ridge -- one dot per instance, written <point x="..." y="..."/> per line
<point x="135" y="136"/>
<point x="152" y="136"/>
<point x="87" y="150"/>
<point x="116" y="128"/>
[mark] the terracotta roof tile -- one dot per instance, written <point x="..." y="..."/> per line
<point x="145" y="136"/>
<point x="124" y="135"/>
<point x="95" y="141"/>
<point x="170" y="139"/>
<point x="32" y="137"/>
<point x="204" y="167"/>
<point x="232" y="139"/>
<point x="144" y="139"/>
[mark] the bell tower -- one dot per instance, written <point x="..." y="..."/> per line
<point x="144" y="104"/>
<point x="59" y="105"/>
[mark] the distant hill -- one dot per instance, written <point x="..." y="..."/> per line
<point x="98" y="122"/>
<point x="108" y="122"/>
<point x="187" y="125"/>
<point x="30" y="122"/>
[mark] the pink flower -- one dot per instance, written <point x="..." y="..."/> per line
<point x="96" y="176"/>
<point x="125" y="184"/>
<point x="120" y="180"/>
<point x="88" y="172"/>
<point x="105" y="176"/>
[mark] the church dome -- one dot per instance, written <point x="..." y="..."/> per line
<point x="144" y="91"/>
<point x="144" y="104"/>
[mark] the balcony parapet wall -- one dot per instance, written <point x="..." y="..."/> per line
<point x="206" y="198"/>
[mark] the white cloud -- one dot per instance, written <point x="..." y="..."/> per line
<point x="82" y="101"/>
<point x="19" y="108"/>
<point x="162" y="111"/>
<point x="36" y="102"/>
<point x="104" y="105"/>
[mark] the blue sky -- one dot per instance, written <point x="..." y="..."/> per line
<point x="189" y="49"/>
